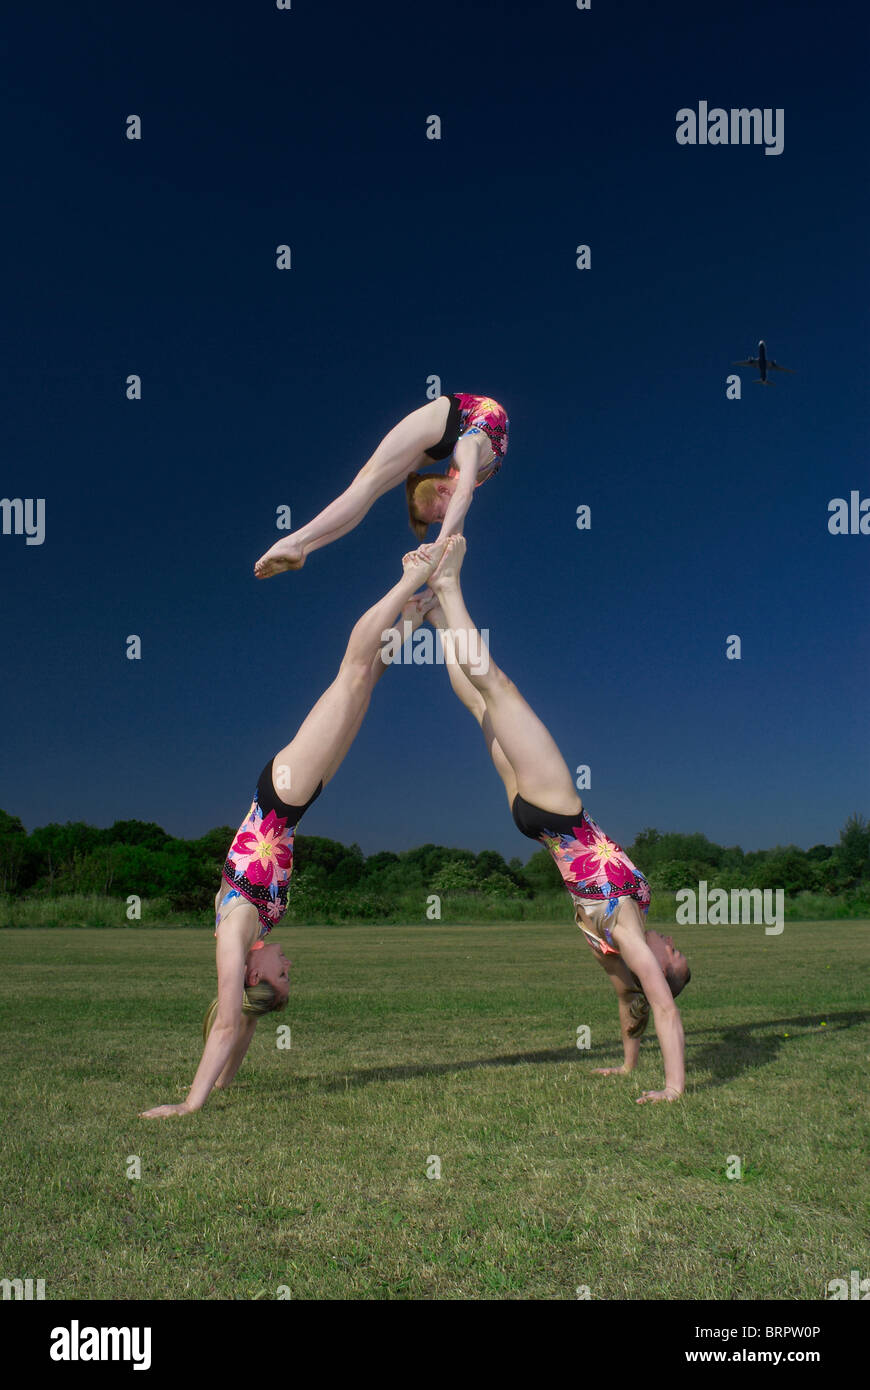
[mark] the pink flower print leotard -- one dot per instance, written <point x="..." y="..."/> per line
<point x="473" y="415"/>
<point x="259" y="862"/>
<point x="594" y="868"/>
<point x="483" y="415"/>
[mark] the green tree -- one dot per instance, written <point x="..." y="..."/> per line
<point x="643" y="851"/>
<point x="376" y="863"/>
<point x="499" y="886"/>
<point x="853" y="850"/>
<point x="674" y="848"/>
<point x="328" y="861"/>
<point x="489" y="862"/>
<point x="188" y="881"/>
<point x="454" y="877"/>
<point x="733" y="858"/>
<point x="15" y="853"/>
<point x="214" y="844"/>
<point x="787" y="868"/>
<point x="135" y="832"/>
<point x="673" y="874"/>
<point x="428" y="859"/>
<point x="541" y="873"/>
<point x="59" y="849"/>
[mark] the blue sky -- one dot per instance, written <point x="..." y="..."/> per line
<point x="455" y="257"/>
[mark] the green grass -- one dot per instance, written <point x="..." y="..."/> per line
<point x="337" y="909"/>
<point x="451" y="1041"/>
<point x="88" y="910"/>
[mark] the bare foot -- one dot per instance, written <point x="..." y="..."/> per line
<point x="420" y="563"/>
<point x="415" y="610"/>
<point x="286" y="554"/>
<point x="410" y="616"/>
<point x="435" y="613"/>
<point x="428" y="600"/>
<point x="447" y="572"/>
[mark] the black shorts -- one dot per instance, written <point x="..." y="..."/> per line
<point x="269" y="800"/>
<point x="447" y="443"/>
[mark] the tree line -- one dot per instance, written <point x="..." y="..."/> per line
<point x="135" y="857"/>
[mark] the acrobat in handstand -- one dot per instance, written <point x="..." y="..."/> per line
<point x="610" y="896"/>
<point x="253" y="973"/>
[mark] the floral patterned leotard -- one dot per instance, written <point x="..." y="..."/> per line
<point x="483" y="415"/>
<point x="594" y="868"/>
<point x="260" y="859"/>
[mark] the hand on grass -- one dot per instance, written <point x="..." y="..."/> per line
<point x="160" y="1110"/>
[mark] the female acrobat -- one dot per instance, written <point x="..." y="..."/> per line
<point x="473" y="429"/>
<point x="253" y="973"/>
<point x="610" y="896"/>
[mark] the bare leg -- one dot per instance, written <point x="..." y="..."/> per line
<point x="398" y="454"/>
<point x="476" y="705"/>
<point x="542" y="776"/>
<point x="325" y="735"/>
<point x="413" y="612"/>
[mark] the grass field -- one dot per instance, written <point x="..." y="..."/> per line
<point x="310" y="1174"/>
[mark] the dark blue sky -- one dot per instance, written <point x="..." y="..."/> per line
<point x="411" y="257"/>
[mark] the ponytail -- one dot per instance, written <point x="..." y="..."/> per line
<point x="256" y="1000"/>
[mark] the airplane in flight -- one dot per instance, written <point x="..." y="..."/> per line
<point x="763" y="363"/>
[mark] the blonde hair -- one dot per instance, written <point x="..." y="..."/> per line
<point x="638" y="1007"/>
<point x="414" y="483"/>
<point x="596" y="914"/>
<point x="256" y="1000"/>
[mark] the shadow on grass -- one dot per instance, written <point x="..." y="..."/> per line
<point x="728" y="1053"/>
<point x="739" y="1047"/>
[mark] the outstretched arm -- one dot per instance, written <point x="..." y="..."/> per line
<point x="247" y="1029"/>
<point x="468" y="455"/>
<point x="669" y="1028"/>
<point x="223" y="1039"/>
<point x="633" y="1011"/>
